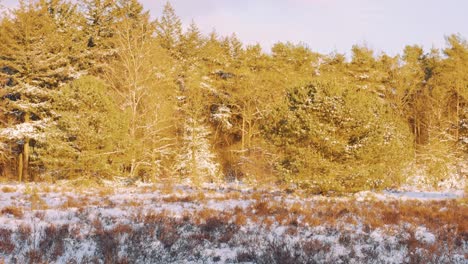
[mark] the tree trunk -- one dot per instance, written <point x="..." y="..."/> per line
<point x="26" y="160"/>
<point x="133" y="128"/>
<point x="194" y="149"/>
<point x="249" y="135"/>
<point x="20" y="167"/>
<point x="243" y="132"/>
<point x="132" y="168"/>
<point x="26" y="152"/>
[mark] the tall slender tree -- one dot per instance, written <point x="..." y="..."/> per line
<point x="135" y="74"/>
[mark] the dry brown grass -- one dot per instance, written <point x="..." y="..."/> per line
<point x="200" y="196"/>
<point x="179" y="199"/>
<point x="14" y="211"/>
<point x="439" y="217"/>
<point x="240" y="220"/>
<point x="434" y="214"/>
<point x="261" y="208"/>
<point x="36" y="201"/>
<point x="256" y="196"/>
<point x="310" y="219"/>
<point x="46" y="189"/>
<point x="233" y="195"/>
<point x="105" y="191"/>
<point x="239" y="216"/>
<point x="296" y="208"/>
<point x="132" y="203"/>
<point x="373" y="214"/>
<point x="268" y="222"/>
<point x="8" y="189"/>
<point x="72" y="202"/>
<point x="121" y="229"/>
<point x="154" y="188"/>
<point x="204" y="214"/>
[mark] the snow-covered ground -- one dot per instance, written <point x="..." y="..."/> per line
<point x="230" y="224"/>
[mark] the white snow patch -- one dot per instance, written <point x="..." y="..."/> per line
<point x="424" y="236"/>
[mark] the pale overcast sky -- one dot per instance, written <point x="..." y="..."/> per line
<point x="326" y="25"/>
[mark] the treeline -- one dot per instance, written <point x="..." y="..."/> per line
<point x="98" y="89"/>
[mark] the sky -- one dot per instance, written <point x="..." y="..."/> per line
<point x="325" y="26"/>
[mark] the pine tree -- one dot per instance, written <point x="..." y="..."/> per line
<point x="331" y="139"/>
<point x="38" y="45"/>
<point x="191" y="44"/>
<point x="412" y="92"/>
<point x="90" y="132"/>
<point x="196" y="159"/>
<point x="451" y="85"/>
<point x="363" y="68"/>
<point x="99" y="18"/>
<point x="215" y="55"/>
<point x="169" y="30"/>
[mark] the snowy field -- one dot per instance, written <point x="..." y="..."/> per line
<point x="41" y="223"/>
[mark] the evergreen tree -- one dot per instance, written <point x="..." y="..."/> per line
<point x="411" y="93"/>
<point x="38" y="43"/>
<point x="332" y="139"/>
<point x="99" y="18"/>
<point x="196" y="159"/>
<point x="169" y="30"/>
<point x="215" y="55"/>
<point x="88" y="138"/>
<point x="451" y="86"/>
<point x="191" y="45"/>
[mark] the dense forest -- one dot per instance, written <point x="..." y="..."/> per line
<point x="98" y="89"/>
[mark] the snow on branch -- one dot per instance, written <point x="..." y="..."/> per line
<point x="25" y="130"/>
